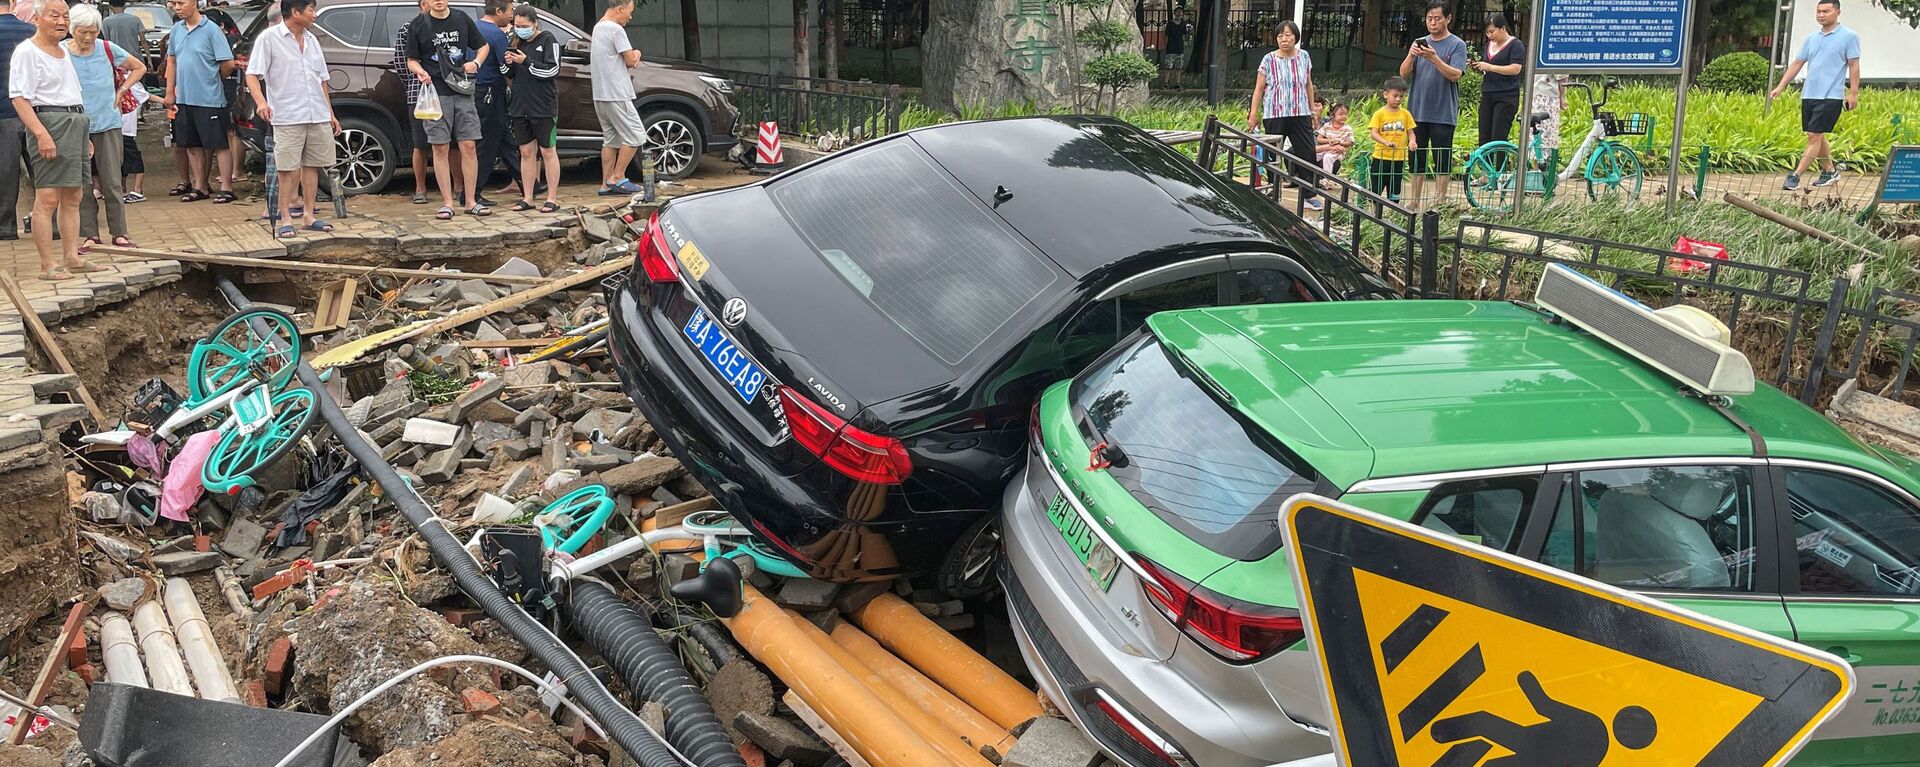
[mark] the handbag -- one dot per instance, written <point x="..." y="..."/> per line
<point x="127" y="103"/>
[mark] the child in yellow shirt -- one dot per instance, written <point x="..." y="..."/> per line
<point x="1392" y="130"/>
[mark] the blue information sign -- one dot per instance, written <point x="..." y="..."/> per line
<point x="1611" y="35"/>
<point x="1902" y="180"/>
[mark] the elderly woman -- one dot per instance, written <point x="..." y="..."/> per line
<point x="104" y="93"/>
<point x="46" y="93"/>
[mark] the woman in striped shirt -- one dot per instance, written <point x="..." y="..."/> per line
<point x="1283" y="96"/>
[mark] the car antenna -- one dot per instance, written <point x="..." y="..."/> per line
<point x="1001" y="194"/>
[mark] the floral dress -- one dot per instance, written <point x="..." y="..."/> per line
<point x="1546" y="98"/>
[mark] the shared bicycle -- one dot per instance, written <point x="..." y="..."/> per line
<point x="1612" y="169"/>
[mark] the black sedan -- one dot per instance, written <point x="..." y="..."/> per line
<point x="846" y="354"/>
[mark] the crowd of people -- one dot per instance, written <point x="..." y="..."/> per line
<point x="1413" y="131"/>
<point x="75" y="75"/>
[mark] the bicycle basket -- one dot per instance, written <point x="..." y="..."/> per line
<point x="1633" y="124"/>
<point x="153" y="403"/>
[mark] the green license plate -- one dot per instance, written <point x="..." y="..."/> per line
<point x="1100" y="561"/>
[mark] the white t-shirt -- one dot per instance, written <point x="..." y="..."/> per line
<point x="295" y="79"/>
<point x="610" y="79"/>
<point x="43" y="80"/>
<point x="130" y="121"/>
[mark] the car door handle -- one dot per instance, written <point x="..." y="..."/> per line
<point x="1852" y="659"/>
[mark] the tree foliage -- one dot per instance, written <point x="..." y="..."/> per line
<point x="1112" y="71"/>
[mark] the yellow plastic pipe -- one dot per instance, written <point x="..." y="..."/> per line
<point x="834" y="692"/>
<point x="972" y="726"/>
<point x="901" y="628"/>
<point x="932" y="730"/>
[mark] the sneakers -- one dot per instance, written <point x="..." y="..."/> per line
<point x="1792" y="182"/>
<point x="1828" y="177"/>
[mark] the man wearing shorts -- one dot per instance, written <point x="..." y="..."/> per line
<point x="198" y="57"/>
<point x="287" y="56"/>
<point x="1434" y="64"/>
<point x="621" y="131"/>
<point x="1826" y="55"/>
<point x="533" y="60"/>
<point x="445" y="50"/>
<point x="416" y="129"/>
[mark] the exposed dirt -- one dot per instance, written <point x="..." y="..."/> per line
<point x="38" y="553"/>
<point x="549" y="255"/>
<point x="116" y="350"/>
<point x="494" y="741"/>
<point x="28" y="756"/>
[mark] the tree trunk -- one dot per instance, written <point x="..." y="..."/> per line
<point x="802" y="48"/>
<point x="1203" y="34"/>
<point x="886" y="40"/>
<point x="587" y="18"/>
<point x="830" y="41"/>
<point x="690" y="28"/>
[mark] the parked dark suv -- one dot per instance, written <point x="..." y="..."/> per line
<point x="687" y="107"/>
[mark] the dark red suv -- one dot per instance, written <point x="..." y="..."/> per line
<point x="688" y="108"/>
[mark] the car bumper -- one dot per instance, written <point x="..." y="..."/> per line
<point x="1066" y="648"/>
<point x="721" y="142"/>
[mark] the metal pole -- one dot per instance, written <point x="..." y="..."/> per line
<point x="1217" y="50"/>
<point x="1525" y="155"/>
<point x="1680" y="105"/>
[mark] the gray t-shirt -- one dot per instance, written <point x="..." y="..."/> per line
<point x="610" y="79"/>
<point x="125" y="30"/>
<point x="1435" y="100"/>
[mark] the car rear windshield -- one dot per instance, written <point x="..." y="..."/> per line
<point x="1184" y="455"/>
<point x="914" y="244"/>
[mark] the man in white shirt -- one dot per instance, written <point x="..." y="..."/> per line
<point x="288" y="57"/>
<point x="621" y="130"/>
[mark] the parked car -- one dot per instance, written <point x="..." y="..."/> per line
<point x="687" y="107"/>
<point x="1152" y="598"/>
<point x="845" y="354"/>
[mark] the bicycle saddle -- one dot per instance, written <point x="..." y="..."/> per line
<point x="1539" y="117"/>
<point x="717" y="587"/>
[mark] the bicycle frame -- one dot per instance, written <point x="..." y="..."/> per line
<point x="250" y="396"/>
<point x="1595" y="135"/>
<point x="712" y="534"/>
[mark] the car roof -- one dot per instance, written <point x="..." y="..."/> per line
<point x="1365" y="389"/>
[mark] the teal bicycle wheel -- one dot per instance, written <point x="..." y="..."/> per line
<point x="1614" y="171"/>
<point x="238" y="456"/>
<point x="1490" y="176"/>
<point x="586" y="510"/>
<point x="230" y="353"/>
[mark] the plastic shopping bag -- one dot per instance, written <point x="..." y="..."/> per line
<point x="1692" y="247"/>
<point x="428" y="107"/>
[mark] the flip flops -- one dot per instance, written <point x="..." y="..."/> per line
<point x="522" y="205"/>
<point x="223" y="197"/>
<point x="55" y="274"/>
<point x="84" y="267"/>
<point x="420" y="198"/>
<point x="319" y="226"/>
<point x="444" y="213"/>
<point x="285" y="231"/>
<point x="194" y="195"/>
<point x="549" y="207"/>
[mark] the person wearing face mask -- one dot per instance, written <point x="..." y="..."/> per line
<point x="533" y="60"/>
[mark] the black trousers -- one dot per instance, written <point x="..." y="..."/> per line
<point x="1497" y="111"/>
<point x="496" y="133"/>
<point x="1296" y="137"/>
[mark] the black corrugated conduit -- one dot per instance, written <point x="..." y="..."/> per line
<point x="652" y="670"/>
<point x="622" y="725"/>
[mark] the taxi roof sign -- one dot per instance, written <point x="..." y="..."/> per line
<point x="1434" y="651"/>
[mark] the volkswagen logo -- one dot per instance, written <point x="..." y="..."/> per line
<point x="734" y="312"/>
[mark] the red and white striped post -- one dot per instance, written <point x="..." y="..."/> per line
<point x="769" y="155"/>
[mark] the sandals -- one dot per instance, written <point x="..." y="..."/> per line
<point x="286" y="231"/>
<point x="194" y="195"/>
<point x="549" y="207"/>
<point x="521" y="206"/>
<point x="444" y="213"/>
<point x="179" y="189"/>
<point x="479" y="210"/>
<point x="123" y="241"/>
<point x="55" y="274"/>
<point x="297" y="213"/>
<point x="84" y="267"/>
<point x="223" y="197"/>
<point x="420" y="198"/>
<point x="319" y="226"/>
<point x="133" y="197"/>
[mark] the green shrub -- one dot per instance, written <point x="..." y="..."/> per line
<point x="1470" y="81"/>
<point x="1738" y="72"/>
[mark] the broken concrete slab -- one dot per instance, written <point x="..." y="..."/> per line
<point x="645" y="474"/>
<point x="782" y="739"/>
<point x="588" y="464"/>
<point x="601" y="424"/>
<point x="529" y="374"/>
<point x="492" y="410"/>
<point x="126" y="593"/>
<point x="1050" y="742"/>
<point x="807" y="595"/>
<point x="487" y="390"/>
<point x="243" y="538"/>
<point x="486" y="434"/>
<point x="516" y="481"/>
<point x="527" y="417"/>
<point x="424" y="431"/>
<point x="184" y="562"/>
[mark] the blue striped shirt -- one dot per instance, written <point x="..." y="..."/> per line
<point x="1287" y="80"/>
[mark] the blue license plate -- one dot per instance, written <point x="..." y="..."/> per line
<point x="724" y="355"/>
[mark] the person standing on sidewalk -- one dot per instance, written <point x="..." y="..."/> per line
<point x="46" y="95"/>
<point x="490" y="97"/>
<point x="622" y="133"/>
<point x="445" y="50"/>
<point x="1500" y="90"/>
<point x="1434" y="64"/>
<point x="533" y="62"/>
<point x="416" y="130"/>
<point x="1283" y="99"/>
<point x="107" y="74"/>
<point x="13" y="136"/>
<point x="198" y="58"/>
<point x="1831" y="57"/>
<point x="125" y="29"/>
<point x="287" y="57"/>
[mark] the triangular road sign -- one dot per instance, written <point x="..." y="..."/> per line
<point x="1435" y="652"/>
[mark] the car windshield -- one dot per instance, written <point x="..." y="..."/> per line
<point x="904" y="236"/>
<point x="1185" y="456"/>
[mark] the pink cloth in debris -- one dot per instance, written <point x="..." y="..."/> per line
<point x="183" y="488"/>
<point x="147" y="455"/>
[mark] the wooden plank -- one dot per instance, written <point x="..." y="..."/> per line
<point x="509" y="343"/>
<point x="505" y="303"/>
<point x="335" y="308"/>
<point x="48" y="345"/>
<point x="76" y="618"/>
<point x="313" y="266"/>
<point x="820" y="728"/>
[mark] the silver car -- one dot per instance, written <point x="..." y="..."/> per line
<point x="1148" y="694"/>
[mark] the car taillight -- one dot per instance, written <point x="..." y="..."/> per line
<point x="1230" y="628"/>
<point x="859" y="454"/>
<point x="655" y="260"/>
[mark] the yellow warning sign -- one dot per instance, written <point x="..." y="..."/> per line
<point x="1438" y="652"/>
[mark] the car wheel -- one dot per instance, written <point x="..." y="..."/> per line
<point x="676" y="144"/>
<point x="365" y="157"/>
<point x="969" y="571"/>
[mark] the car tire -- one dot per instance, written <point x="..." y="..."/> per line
<point x="365" y="156"/>
<point x="970" y="569"/>
<point x="675" y="140"/>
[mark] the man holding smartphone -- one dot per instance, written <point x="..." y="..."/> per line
<point x="1434" y="64"/>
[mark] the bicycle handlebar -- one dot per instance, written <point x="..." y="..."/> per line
<point x="1606" y="91"/>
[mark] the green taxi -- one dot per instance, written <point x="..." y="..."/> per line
<point x="1145" y="571"/>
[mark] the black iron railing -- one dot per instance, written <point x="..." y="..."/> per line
<point x="818" y="106"/>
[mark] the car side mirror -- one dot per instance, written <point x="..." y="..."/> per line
<point x="576" y="50"/>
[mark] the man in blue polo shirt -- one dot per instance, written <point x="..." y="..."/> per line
<point x="13" y="138"/>
<point x="490" y="97"/>
<point x="198" y="57"/>
<point x="1832" y="59"/>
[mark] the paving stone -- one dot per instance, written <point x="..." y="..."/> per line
<point x="489" y="389"/>
<point x="1050" y="742"/>
<point x="124" y="594"/>
<point x="782" y="739"/>
<point x="606" y="421"/>
<point x="184" y="562"/>
<point x="486" y="434"/>
<point x="48" y="384"/>
<point x="53" y="415"/>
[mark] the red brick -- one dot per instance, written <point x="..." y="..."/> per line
<point x="586" y="741"/>
<point x="462" y="617"/>
<point x="85" y="670"/>
<point x="478" y="702"/>
<point x="328" y="595"/>
<point x="202" y="543"/>
<point x="254" y="692"/>
<point x="752" y="755"/>
<point x="77" y="651"/>
<point x="279" y="663"/>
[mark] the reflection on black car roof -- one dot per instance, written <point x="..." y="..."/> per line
<point x="919" y="248"/>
